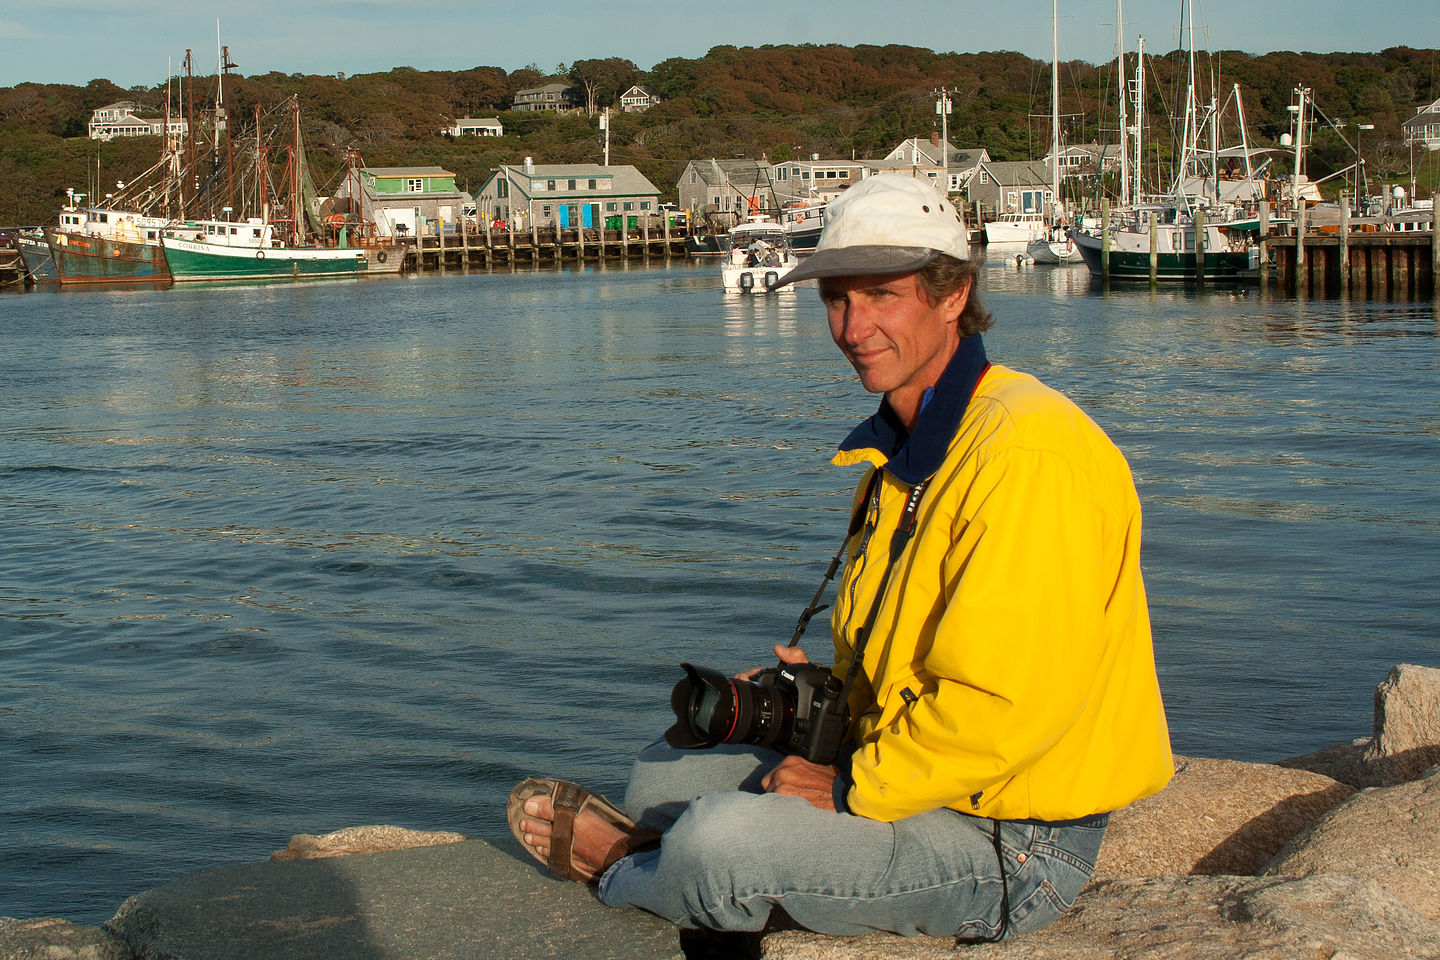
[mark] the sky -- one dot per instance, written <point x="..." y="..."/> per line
<point x="131" y="42"/>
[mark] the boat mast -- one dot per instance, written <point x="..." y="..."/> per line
<point x="1055" y="109"/>
<point x="1140" y="120"/>
<point x="1125" y="198"/>
<point x="295" y="199"/>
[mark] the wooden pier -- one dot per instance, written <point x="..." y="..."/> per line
<point x="1353" y="258"/>
<point x="488" y="246"/>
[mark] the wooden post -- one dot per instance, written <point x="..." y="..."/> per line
<point x="1434" y="246"/>
<point x="534" y="241"/>
<point x="1264" y="247"/>
<point x="440" y="256"/>
<point x="645" y="237"/>
<point x="1344" y="244"/>
<point x="667" y="235"/>
<point x="1199" y="244"/>
<point x="1302" y="277"/>
<point x="1154" y="248"/>
<point x="624" y="236"/>
<point x="1105" y="241"/>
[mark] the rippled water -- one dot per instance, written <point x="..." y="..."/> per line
<point x="289" y="558"/>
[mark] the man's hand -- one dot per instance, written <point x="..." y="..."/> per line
<point x="798" y="777"/>
<point x="786" y="655"/>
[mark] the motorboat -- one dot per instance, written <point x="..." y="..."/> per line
<point x="760" y="256"/>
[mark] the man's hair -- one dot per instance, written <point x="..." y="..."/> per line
<point x="945" y="275"/>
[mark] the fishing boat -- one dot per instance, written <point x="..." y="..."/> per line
<point x="280" y="244"/>
<point x="35" y="255"/>
<point x="803" y="225"/>
<point x="1230" y="250"/>
<point x="759" y="257"/>
<point x="250" y="250"/>
<point x="106" y="244"/>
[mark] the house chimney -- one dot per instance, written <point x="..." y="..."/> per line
<point x="529" y="165"/>
<point x="934" y="138"/>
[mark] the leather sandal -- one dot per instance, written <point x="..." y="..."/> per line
<point x="569" y="801"/>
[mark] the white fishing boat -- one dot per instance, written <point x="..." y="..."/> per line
<point x="249" y="250"/>
<point x="759" y="257"/>
<point x="1015" y="228"/>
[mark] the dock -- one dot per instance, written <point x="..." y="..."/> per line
<point x="1354" y="258"/>
<point x="486" y="246"/>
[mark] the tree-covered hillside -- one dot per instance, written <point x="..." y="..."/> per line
<point x="776" y="101"/>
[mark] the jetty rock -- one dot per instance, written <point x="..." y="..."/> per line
<point x="1332" y="855"/>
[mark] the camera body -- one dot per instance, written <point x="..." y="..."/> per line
<point x="796" y="709"/>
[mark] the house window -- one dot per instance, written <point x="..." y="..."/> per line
<point x="644" y="204"/>
<point x="537" y="185"/>
<point x="629" y="204"/>
<point x="592" y="183"/>
<point x="572" y="185"/>
<point x="610" y="207"/>
<point x="693" y="176"/>
<point x="545" y="211"/>
<point x="415" y="184"/>
<point x="984" y="176"/>
<point x="549" y="184"/>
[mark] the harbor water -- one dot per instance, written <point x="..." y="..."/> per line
<point x="283" y="559"/>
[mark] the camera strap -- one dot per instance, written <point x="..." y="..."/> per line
<point x="904" y="530"/>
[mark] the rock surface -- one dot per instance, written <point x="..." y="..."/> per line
<point x="353" y="840"/>
<point x="460" y="900"/>
<point x="1326" y="917"/>
<point x="51" y="938"/>
<point x="1389" y="834"/>
<point x="1215" y="817"/>
<point x="1407" y="724"/>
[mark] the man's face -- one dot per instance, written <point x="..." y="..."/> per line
<point x="895" y="338"/>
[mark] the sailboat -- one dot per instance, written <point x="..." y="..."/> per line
<point x="265" y="247"/>
<point x="1053" y="245"/>
<point x="1174" y="232"/>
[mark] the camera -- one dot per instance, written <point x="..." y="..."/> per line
<point x="795" y="708"/>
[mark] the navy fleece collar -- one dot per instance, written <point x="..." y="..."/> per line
<point x="915" y="456"/>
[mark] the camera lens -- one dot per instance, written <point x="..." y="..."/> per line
<point x="712" y="708"/>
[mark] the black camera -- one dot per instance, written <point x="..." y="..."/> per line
<point x="795" y="708"/>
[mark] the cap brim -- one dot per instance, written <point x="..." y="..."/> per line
<point x="860" y="261"/>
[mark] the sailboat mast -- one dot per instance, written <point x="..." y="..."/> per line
<point x="295" y="199"/>
<point x="1125" y="198"/>
<point x="1139" y="120"/>
<point x="1055" y="108"/>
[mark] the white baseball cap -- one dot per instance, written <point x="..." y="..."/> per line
<point x="886" y="223"/>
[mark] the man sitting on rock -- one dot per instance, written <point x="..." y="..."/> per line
<point x="1005" y="700"/>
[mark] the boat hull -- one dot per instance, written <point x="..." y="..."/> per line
<point x="707" y="245"/>
<point x="1169" y="267"/>
<point x="88" y="259"/>
<point x="192" y="260"/>
<point x="39" y="263"/>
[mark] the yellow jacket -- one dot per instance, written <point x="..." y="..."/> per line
<point x="1010" y="671"/>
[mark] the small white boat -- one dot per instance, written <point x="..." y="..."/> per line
<point x="1015" y="228"/>
<point x="1055" y="247"/>
<point x="759" y="257"/>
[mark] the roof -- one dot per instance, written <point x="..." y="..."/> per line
<point x="743" y="172"/>
<point x="547" y="88"/>
<point x="407" y="172"/>
<point x="1013" y="173"/>
<point x="643" y="91"/>
<point x="488" y="121"/>
<point x="626" y="179"/>
<point x="1425" y="118"/>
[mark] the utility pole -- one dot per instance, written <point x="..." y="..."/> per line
<point x="605" y="125"/>
<point x="943" y="105"/>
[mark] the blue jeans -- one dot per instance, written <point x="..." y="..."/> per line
<point x="730" y="854"/>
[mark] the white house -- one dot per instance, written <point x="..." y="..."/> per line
<point x="638" y="99"/>
<point x="123" y="120"/>
<point x="1424" y="127"/>
<point x="476" y="127"/>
